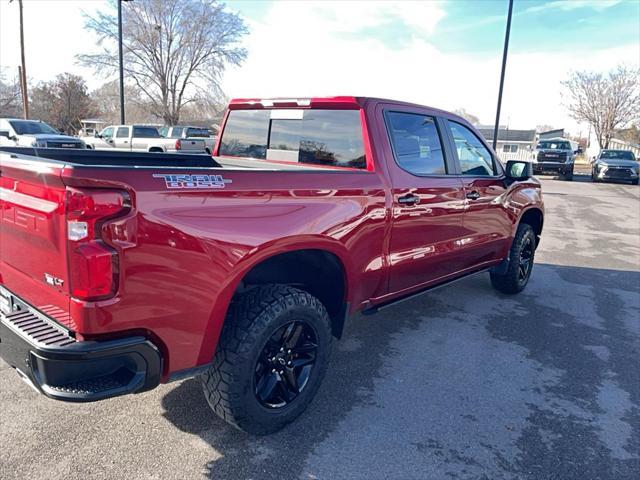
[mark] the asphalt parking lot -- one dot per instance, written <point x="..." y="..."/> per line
<point x="460" y="383"/>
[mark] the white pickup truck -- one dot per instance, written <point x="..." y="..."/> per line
<point x="15" y="132"/>
<point x="190" y="133"/>
<point x="140" y="138"/>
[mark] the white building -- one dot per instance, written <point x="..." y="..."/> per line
<point x="512" y="144"/>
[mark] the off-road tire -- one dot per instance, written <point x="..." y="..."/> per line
<point x="253" y="317"/>
<point x="510" y="282"/>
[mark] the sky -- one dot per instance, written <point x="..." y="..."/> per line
<point x="444" y="54"/>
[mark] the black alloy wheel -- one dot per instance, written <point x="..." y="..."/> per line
<point x="285" y="364"/>
<point x="526" y="259"/>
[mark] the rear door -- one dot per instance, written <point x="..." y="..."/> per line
<point x="487" y="221"/>
<point x="428" y="200"/>
<point x="142" y="137"/>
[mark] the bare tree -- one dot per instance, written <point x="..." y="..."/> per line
<point x="606" y="102"/>
<point x="175" y="51"/>
<point x="469" y="117"/>
<point x="544" y="128"/>
<point x="106" y="100"/>
<point x="62" y="102"/>
<point x="10" y="97"/>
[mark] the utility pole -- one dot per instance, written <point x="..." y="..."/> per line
<point x="504" y="66"/>
<point x="23" y="69"/>
<point x="120" y="60"/>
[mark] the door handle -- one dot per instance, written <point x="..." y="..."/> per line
<point x="409" y="199"/>
<point x="473" y="195"/>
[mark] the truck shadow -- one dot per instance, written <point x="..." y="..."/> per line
<point x="544" y="349"/>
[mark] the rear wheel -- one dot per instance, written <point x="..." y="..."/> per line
<point x="521" y="257"/>
<point x="272" y="356"/>
<point x="635" y="182"/>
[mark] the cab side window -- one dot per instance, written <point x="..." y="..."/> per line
<point x="107" y="132"/>
<point x="475" y="159"/>
<point x="416" y="143"/>
<point x="122" y="132"/>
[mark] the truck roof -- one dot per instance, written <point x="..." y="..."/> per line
<point x="338" y="102"/>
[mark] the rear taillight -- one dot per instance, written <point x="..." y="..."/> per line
<point x="93" y="265"/>
<point x="178" y="144"/>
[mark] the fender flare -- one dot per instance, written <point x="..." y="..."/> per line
<point x="256" y="256"/>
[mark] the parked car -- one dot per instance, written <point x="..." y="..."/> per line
<point x="243" y="267"/>
<point x="16" y="132"/>
<point x="555" y="155"/>
<point x="615" y="165"/>
<point x="187" y="133"/>
<point x="139" y="138"/>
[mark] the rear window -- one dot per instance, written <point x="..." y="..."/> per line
<point x="198" y="132"/>
<point x="145" y="132"/>
<point x="320" y="137"/>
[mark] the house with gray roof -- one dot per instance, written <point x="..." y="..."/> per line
<point x="512" y="144"/>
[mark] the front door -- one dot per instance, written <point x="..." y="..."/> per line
<point x="105" y="140"/>
<point x="487" y="221"/>
<point x="428" y="202"/>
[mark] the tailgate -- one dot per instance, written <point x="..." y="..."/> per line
<point x="192" y="145"/>
<point x="33" y="251"/>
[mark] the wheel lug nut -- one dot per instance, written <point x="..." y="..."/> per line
<point x="288" y="351"/>
<point x="273" y="371"/>
<point x="282" y="349"/>
<point x="289" y="363"/>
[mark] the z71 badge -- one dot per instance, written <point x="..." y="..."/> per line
<point x="194" y="181"/>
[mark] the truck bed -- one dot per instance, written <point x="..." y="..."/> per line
<point x="121" y="159"/>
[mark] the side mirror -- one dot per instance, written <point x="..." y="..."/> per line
<point x="5" y="133"/>
<point x="518" y="170"/>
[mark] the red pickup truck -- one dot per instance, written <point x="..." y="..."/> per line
<point x="120" y="271"/>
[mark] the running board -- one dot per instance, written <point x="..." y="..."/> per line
<point x="382" y="306"/>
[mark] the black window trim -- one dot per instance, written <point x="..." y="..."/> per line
<point x="443" y="143"/>
<point x="494" y="158"/>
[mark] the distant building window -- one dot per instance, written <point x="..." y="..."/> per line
<point x="509" y="148"/>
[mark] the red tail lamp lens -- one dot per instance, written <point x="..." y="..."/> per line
<point x="93" y="264"/>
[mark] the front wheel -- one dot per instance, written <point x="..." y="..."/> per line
<point x="272" y="355"/>
<point x="568" y="176"/>
<point x="521" y="256"/>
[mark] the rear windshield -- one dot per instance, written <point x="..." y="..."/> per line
<point x="145" y="132"/>
<point x="198" y="132"/>
<point x="554" y="145"/>
<point x="622" y="154"/>
<point x="26" y="127"/>
<point x="320" y="137"/>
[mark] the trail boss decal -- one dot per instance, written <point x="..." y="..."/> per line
<point x="194" y="181"/>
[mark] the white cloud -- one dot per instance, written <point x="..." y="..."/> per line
<point x="294" y="51"/>
<point x="567" y="5"/>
